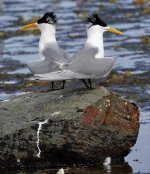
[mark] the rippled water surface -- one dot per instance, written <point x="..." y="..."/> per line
<point x="132" y="50"/>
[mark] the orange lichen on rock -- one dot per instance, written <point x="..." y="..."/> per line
<point x="132" y="117"/>
<point x="108" y="110"/>
<point x="90" y="114"/>
<point x="134" y="113"/>
<point x="127" y="119"/>
<point x="140" y="2"/>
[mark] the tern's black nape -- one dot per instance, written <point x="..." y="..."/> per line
<point x="94" y="19"/>
<point x="48" y="18"/>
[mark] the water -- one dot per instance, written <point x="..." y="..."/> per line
<point x="132" y="50"/>
<point x="139" y="157"/>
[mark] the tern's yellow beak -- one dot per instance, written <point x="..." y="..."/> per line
<point x="34" y="25"/>
<point x="113" y="30"/>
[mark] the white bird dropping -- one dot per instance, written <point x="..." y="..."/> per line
<point x="107" y="161"/>
<point x="38" y="136"/>
<point x="38" y="132"/>
<point x="61" y="171"/>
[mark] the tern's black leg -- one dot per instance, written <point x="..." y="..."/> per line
<point x="51" y="88"/>
<point x="63" y="84"/>
<point x="84" y="81"/>
<point x="90" y="83"/>
<point x="52" y="84"/>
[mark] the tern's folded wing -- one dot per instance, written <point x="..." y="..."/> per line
<point x="42" y="66"/>
<point x="56" y="54"/>
<point x="103" y="70"/>
<point x="102" y="67"/>
<point x="81" y="59"/>
<point x="84" y="62"/>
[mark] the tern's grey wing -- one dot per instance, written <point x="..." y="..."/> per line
<point x="42" y="66"/>
<point x="84" y="62"/>
<point x="56" y="54"/>
<point x="81" y="60"/>
<point x="96" y="68"/>
<point x="104" y="69"/>
<point x="82" y="56"/>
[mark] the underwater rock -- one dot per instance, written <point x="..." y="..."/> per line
<point x="66" y="127"/>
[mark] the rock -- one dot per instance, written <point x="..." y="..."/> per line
<point x="66" y="127"/>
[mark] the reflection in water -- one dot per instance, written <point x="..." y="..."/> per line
<point x="114" y="169"/>
<point x="139" y="158"/>
<point x="108" y="168"/>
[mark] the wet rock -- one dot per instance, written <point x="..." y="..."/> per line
<point x="145" y="39"/>
<point x="2" y="34"/>
<point x="23" y="21"/>
<point x="140" y="2"/>
<point x="66" y="127"/>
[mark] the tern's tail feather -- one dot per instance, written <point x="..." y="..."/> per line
<point x="60" y="75"/>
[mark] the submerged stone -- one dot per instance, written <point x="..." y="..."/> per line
<point x="66" y="127"/>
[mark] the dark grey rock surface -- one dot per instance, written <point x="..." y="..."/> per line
<point x="77" y="127"/>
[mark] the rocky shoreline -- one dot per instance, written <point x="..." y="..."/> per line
<point x="66" y="127"/>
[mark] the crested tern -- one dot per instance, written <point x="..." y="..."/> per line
<point x="89" y="62"/>
<point x="51" y="55"/>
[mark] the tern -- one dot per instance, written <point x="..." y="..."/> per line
<point x="51" y="55"/>
<point x="89" y="62"/>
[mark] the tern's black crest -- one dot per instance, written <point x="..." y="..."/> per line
<point x="94" y="19"/>
<point x="48" y="18"/>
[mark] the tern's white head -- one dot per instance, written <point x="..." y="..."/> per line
<point x="47" y="26"/>
<point x="95" y="29"/>
<point x="48" y="21"/>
